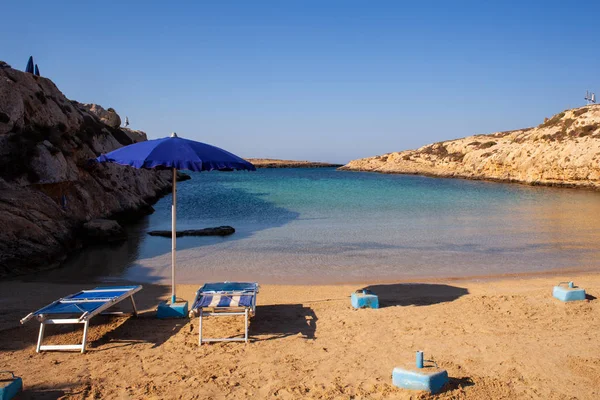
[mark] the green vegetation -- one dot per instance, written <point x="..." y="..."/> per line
<point x="487" y="145"/>
<point x="552" y="121"/>
<point x="581" y="111"/>
<point x="577" y="132"/>
<point x="439" y="150"/>
<point x="456" y="156"/>
<point x="585" y="130"/>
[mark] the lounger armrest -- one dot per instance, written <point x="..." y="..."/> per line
<point x="27" y="318"/>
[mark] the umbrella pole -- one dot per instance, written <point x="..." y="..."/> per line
<point x="173" y="235"/>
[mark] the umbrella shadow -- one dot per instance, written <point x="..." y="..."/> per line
<point x="282" y="320"/>
<point x="415" y="294"/>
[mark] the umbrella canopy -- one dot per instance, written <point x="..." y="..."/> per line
<point x="36" y="70"/>
<point x="29" y="67"/>
<point x="176" y="153"/>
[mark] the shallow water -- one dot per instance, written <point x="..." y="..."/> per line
<point x="328" y="226"/>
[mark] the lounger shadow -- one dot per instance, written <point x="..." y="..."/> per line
<point x="283" y="320"/>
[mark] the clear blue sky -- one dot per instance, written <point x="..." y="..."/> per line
<point x="317" y="80"/>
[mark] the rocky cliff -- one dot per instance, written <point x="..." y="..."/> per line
<point x="562" y="151"/>
<point x="48" y="186"/>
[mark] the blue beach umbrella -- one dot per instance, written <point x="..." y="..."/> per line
<point x="29" y="67"/>
<point x="176" y="153"/>
<point x="36" y="70"/>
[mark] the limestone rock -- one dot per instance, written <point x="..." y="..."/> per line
<point x="109" y="117"/>
<point x="562" y="151"/>
<point x="135" y="136"/>
<point x="103" y="231"/>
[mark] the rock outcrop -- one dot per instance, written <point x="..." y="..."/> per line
<point x="103" y="231"/>
<point x="109" y="117"/>
<point x="135" y="136"/>
<point x="562" y="151"/>
<point x="275" y="163"/>
<point x="48" y="186"/>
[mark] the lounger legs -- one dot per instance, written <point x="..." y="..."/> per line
<point x="134" y="307"/>
<point x="40" y="337"/>
<point x="85" y="332"/>
<point x="246" y="326"/>
<point x="200" y="328"/>
<point x="246" y="315"/>
<point x="81" y="347"/>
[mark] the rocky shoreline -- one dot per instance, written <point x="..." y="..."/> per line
<point x="49" y="188"/>
<point x="275" y="163"/>
<point x="563" y="151"/>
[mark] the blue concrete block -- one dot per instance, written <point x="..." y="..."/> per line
<point x="364" y="299"/>
<point x="568" y="293"/>
<point x="430" y="379"/>
<point x="10" y="387"/>
<point x="172" y="310"/>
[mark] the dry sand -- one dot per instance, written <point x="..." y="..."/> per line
<point x="498" y="339"/>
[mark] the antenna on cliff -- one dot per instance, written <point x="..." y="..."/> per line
<point x="590" y="97"/>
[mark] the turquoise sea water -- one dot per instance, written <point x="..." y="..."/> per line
<point x="328" y="226"/>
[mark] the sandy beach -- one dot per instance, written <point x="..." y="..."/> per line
<point x="498" y="338"/>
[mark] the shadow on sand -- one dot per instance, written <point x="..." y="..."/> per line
<point x="145" y="328"/>
<point x="283" y="320"/>
<point x="458" y="383"/>
<point x="123" y="330"/>
<point x="415" y="294"/>
<point x="41" y="393"/>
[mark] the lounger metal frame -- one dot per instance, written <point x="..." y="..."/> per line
<point x="83" y="319"/>
<point x="247" y="312"/>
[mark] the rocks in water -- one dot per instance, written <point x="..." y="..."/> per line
<point x="103" y="231"/>
<point x="218" y="231"/>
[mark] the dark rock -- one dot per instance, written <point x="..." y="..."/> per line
<point x="48" y="186"/>
<point x="218" y="231"/>
<point x="182" y="176"/>
<point x="103" y="231"/>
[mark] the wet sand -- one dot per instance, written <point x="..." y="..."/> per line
<point x="498" y="338"/>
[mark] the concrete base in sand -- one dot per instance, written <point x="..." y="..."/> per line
<point x="430" y="379"/>
<point x="178" y="309"/>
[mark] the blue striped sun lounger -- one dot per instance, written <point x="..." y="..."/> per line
<point x="80" y="308"/>
<point x="225" y="299"/>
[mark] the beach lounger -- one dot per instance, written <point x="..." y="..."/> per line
<point x="80" y="308"/>
<point x="225" y="299"/>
